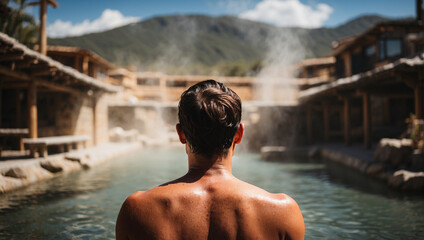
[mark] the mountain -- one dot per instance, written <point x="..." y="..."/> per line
<point x="202" y="44"/>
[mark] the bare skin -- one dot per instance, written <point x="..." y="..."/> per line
<point x="209" y="203"/>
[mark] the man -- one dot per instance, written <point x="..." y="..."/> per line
<point x="209" y="202"/>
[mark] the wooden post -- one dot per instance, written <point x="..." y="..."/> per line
<point x="326" y="122"/>
<point x="43" y="19"/>
<point x="309" y="122"/>
<point x="94" y="99"/>
<point x="367" y="120"/>
<point x="32" y="105"/>
<point x="1" y="90"/>
<point x="18" y="108"/>
<point x="418" y="95"/>
<point x="77" y="63"/>
<point x="85" y="65"/>
<point x="346" y="118"/>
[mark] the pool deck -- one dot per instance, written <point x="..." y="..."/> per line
<point x="355" y="157"/>
<point x="17" y="169"/>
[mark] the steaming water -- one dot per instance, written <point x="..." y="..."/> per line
<point x="336" y="203"/>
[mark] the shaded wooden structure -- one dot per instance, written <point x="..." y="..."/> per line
<point x="315" y="71"/>
<point x="378" y="83"/>
<point x="54" y="98"/>
<point x="84" y="61"/>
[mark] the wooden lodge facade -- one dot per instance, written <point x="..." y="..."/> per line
<point x="42" y="97"/>
<point x="377" y="83"/>
<point x="84" y="61"/>
<point x="168" y="88"/>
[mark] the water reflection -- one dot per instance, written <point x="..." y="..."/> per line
<point x="336" y="203"/>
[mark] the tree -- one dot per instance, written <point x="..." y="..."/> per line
<point x="17" y="23"/>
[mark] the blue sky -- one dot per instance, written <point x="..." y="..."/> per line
<point x="81" y="16"/>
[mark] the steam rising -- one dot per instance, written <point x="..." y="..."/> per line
<point x="276" y="81"/>
<point x="269" y="119"/>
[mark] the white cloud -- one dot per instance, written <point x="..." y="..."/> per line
<point x="289" y="13"/>
<point x="108" y="20"/>
<point x="235" y="6"/>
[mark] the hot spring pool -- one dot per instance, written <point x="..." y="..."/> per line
<point x="336" y="202"/>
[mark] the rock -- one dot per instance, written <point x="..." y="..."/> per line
<point x="395" y="181"/>
<point x="15" y="173"/>
<point x="51" y="167"/>
<point x="272" y="152"/>
<point x="394" y="151"/>
<point x="73" y="157"/>
<point x="375" y="169"/>
<point x="406" y="180"/>
<point x="314" y="152"/>
<point x="415" y="183"/>
<point x="118" y="134"/>
<point x="417" y="160"/>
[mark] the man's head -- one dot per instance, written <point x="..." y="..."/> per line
<point x="209" y="114"/>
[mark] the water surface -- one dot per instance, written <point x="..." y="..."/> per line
<point x="337" y="203"/>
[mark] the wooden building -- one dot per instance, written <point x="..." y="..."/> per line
<point x="84" y="61"/>
<point x="378" y="83"/>
<point x="316" y="71"/>
<point x="48" y="98"/>
<point x="168" y="88"/>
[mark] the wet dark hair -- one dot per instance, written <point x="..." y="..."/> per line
<point x="209" y="115"/>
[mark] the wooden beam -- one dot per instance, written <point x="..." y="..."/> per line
<point x="366" y="120"/>
<point x="326" y="122"/>
<point x="53" y="3"/>
<point x="346" y="122"/>
<point x="43" y="72"/>
<point x="14" y="84"/>
<point x="395" y="91"/>
<point x="42" y="82"/>
<point x="309" y="122"/>
<point x="43" y="20"/>
<point x="32" y="110"/>
<point x="58" y="87"/>
<point x="14" y="74"/>
<point x="11" y="57"/>
<point x="26" y="63"/>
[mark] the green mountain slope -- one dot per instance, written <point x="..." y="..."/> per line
<point x="194" y="42"/>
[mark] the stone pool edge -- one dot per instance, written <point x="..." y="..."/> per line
<point x="397" y="179"/>
<point x="15" y="174"/>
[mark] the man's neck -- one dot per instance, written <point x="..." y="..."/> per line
<point x="209" y="165"/>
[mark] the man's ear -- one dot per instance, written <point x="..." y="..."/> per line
<point x="239" y="134"/>
<point x="181" y="135"/>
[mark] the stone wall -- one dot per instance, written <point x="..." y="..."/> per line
<point x="73" y="115"/>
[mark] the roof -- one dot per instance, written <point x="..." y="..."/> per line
<point x="80" y="51"/>
<point x="317" y="61"/>
<point x="348" y="42"/>
<point x="10" y="46"/>
<point x="361" y="78"/>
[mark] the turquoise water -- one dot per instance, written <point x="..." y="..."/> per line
<point x="336" y="203"/>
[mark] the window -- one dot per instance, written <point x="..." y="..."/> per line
<point x="176" y="83"/>
<point x="370" y="50"/>
<point x="393" y="47"/>
<point x="389" y="48"/>
<point x="148" y="81"/>
<point x="381" y="50"/>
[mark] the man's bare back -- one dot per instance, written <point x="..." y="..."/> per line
<point x="209" y="202"/>
<point x="216" y="206"/>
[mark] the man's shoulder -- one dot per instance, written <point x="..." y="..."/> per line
<point x="146" y="197"/>
<point x="274" y="200"/>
